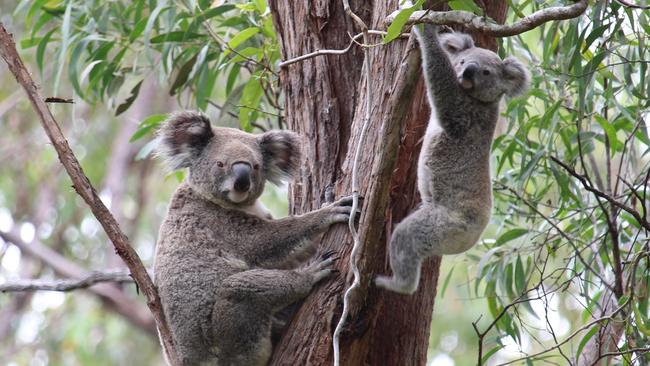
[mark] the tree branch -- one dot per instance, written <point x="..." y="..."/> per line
<point x="112" y="296"/>
<point x="353" y="41"/>
<point x="633" y="6"/>
<point x="85" y="189"/>
<point x="481" y="24"/>
<point x="607" y="318"/>
<point x="644" y="223"/>
<point x="66" y="284"/>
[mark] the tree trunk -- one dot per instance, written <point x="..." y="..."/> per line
<point x="325" y="103"/>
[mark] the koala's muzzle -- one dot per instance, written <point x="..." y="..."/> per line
<point x="467" y="77"/>
<point x="242" y="175"/>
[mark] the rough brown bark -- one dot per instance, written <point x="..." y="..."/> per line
<point x="325" y="102"/>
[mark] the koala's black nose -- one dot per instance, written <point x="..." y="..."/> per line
<point x="470" y="71"/>
<point x="242" y="173"/>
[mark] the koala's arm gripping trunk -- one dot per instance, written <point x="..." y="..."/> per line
<point x="281" y="241"/>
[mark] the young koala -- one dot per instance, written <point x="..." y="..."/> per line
<point x="464" y="84"/>
<point x="223" y="266"/>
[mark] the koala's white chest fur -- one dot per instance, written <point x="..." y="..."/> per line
<point x="257" y="209"/>
<point x="425" y="175"/>
<point x="459" y="233"/>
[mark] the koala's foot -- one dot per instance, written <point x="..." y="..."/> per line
<point x="395" y="285"/>
<point x="322" y="268"/>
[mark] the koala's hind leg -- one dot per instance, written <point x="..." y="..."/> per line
<point x="412" y="241"/>
<point x="242" y="316"/>
<point x="431" y="229"/>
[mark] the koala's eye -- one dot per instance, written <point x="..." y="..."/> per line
<point x="462" y="62"/>
<point x="220" y="164"/>
<point x="486" y="72"/>
<point x="256" y="167"/>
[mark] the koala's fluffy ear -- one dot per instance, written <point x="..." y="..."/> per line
<point x="182" y="137"/>
<point x="516" y="76"/>
<point x="281" y="153"/>
<point x="455" y="42"/>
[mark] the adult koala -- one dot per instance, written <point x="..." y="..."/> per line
<point x="223" y="266"/>
<point x="464" y="84"/>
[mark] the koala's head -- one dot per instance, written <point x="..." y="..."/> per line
<point x="480" y="72"/>
<point x="226" y="165"/>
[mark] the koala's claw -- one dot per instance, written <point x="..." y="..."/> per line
<point x="341" y="210"/>
<point x="344" y="201"/>
<point x="322" y="268"/>
<point x="347" y="201"/>
<point x="328" y="254"/>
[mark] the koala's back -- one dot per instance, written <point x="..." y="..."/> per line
<point x="454" y="171"/>
<point x="191" y="260"/>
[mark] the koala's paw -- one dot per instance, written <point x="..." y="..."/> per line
<point x="323" y="267"/>
<point x="340" y="210"/>
<point x="393" y="284"/>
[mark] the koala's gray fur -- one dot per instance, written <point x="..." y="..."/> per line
<point x="464" y="84"/>
<point x="223" y="266"/>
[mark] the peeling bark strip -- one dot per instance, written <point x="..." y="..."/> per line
<point x="85" y="189"/>
<point x="481" y="24"/>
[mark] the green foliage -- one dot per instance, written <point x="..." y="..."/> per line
<point x="553" y="237"/>
<point x="395" y="28"/>
<point x="108" y="48"/>
<point x="466" y="5"/>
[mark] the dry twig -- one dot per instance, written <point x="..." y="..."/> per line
<point x="65" y="284"/>
<point x="110" y="295"/>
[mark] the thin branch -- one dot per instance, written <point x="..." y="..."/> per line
<point x="351" y="14"/>
<point x="560" y="232"/>
<point x="606" y="66"/>
<point x="481" y="23"/>
<point x="633" y="6"/>
<point x="320" y="53"/>
<point x="220" y="41"/>
<point x="59" y="100"/>
<point x="345" y="50"/>
<point x="257" y="110"/>
<point x="624" y="352"/>
<point x="85" y="189"/>
<point x="644" y="223"/>
<point x="231" y="114"/>
<point x="572" y="335"/>
<point x="114" y="298"/>
<point x="66" y="284"/>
